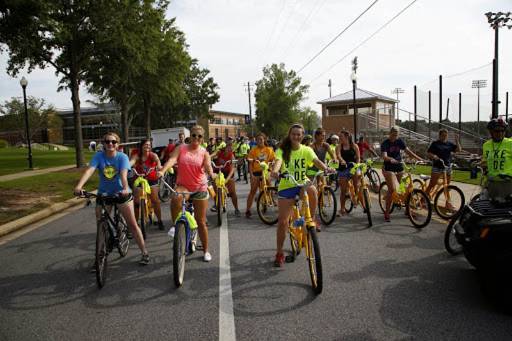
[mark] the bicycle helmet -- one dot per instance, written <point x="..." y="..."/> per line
<point x="335" y="137"/>
<point x="497" y="124"/>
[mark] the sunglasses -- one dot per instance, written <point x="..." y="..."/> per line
<point x="114" y="142"/>
<point x="197" y="136"/>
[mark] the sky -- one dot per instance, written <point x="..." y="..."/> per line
<point x="235" y="39"/>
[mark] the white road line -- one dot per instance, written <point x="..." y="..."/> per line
<point x="226" y="315"/>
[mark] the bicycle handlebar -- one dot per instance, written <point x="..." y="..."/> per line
<point x="145" y="174"/>
<point x="307" y="181"/>
<point x="173" y="190"/>
<point x="224" y="165"/>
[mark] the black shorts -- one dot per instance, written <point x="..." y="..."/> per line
<point x="257" y="173"/>
<point x="111" y="201"/>
<point x="393" y="167"/>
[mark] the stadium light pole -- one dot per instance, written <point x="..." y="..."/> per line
<point x="397" y="91"/>
<point x="478" y="84"/>
<point x="353" y="77"/>
<point x="497" y="20"/>
<point x="24" y="83"/>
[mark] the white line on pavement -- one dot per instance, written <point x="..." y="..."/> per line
<point x="226" y="315"/>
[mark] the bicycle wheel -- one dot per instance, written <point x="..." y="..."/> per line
<point x="179" y="250"/>
<point x="294" y="247"/>
<point x="164" y="193"/>
<point x="332" y="181"/>
<point x="418" y="208"/>
<point x="367" y="205"/>
<point x="266" y="205"/>
<point x="349" y="205"/>
<point x="418" y="183"/>
<point x="101" y="264"/>
<point x="449" y="202"/>
<point x="122" y="236"/>
<point x="314" y="261"/>
<point x="327" y="205"/>
<point x="383" y="192"/>
<point x="373" y="180"/>
<point x="450" y="237"/>
<point x="143" y="221"/>
<point x="219" y="206"/>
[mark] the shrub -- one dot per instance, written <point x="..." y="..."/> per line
<point x="3" y="144"/>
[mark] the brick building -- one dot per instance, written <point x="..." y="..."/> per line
<point x="224" y="123"/>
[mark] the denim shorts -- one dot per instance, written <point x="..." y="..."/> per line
<point x="441" y="170"/>
<point x="289" y="193"/>
<point x="344" y="174"/>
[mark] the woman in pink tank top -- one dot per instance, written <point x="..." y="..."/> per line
<point x="193" y="164"/>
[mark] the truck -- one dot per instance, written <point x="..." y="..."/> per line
<point x="160" y="137"/>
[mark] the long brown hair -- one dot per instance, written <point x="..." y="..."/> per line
<point x="286" y="144"/>
<point x="348" y="135"/>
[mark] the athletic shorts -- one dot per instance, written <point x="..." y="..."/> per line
<point x="441" y="170"/>
<point x="257" y="173"/>
<point x="199" y="196"/>
<point x="289" y="193"/>
<point x="393" y="167"/>
<point x="118" y="201"/>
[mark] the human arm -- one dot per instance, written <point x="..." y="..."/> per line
<point x="458" y="148"/>
<point x="412" y="154"/>
<point x="83" y="180"/>
<point x="329" y="151"/>
<point x="124" y="181"/>
<point x="358" y="154"/>
<point x="207" y="164"/>
<point x="338" y="155"/>
<point x="370" y="148"/>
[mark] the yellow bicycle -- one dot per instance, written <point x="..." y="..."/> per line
<point x="353" y="197"/>
<point x="221" y="191"/>
<point x="266" y="203"/>
<point x="327" y="204"/>
<point x="145" y="212"/>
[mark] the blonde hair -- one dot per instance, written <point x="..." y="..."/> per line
<point x="197" y="127"/>
<point x="111" y="133"/>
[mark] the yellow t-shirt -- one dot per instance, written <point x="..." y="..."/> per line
<point x="261" y="153"/>
<point x="300" y="160"/>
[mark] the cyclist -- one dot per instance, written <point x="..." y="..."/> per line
<point x="347" y="153"/>
<point x="294" y="158"/>
<point x="147" y="163"/>
<point x="442" y="149"/>
<point x="113" y="169"/>
<point x="364" y="146"/>
<point x="222" y="156"/>
<point x="263" y="153"/>
<point x="497" y="152"/>
<point x="194" y="162"/>
<point x="219" y="144"/>
<point x="393" y="169"/>
<point x="307" y="140"/>
<point x="241" y="151"/>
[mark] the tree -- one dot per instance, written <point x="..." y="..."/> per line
<point x="309" y="118"/>
<point x="63" y="34"/>
<point x="278" y="95"/>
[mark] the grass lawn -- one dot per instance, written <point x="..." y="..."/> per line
<point x="23" y="196"/>
<point x="14" y="160"/>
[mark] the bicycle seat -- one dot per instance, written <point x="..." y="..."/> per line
<point x="424" y="177"/>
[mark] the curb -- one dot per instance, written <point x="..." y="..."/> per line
<point x="20" y="223"/>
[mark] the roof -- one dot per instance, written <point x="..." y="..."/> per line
<point x="106" y="108"/>
<point x="227" y="112"/>
<point x="360" y="95"/>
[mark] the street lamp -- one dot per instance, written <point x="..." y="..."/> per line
<point x="478" y="84"/>
<point x="24" y="83"/>
<point x="353" y="77"/>
<point x="398" y="91"/>
<point x="497" y="20"/>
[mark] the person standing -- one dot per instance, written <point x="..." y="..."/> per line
<point x="364" y="146"/>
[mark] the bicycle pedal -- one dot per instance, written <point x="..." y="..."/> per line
<point x="289" y="259"/>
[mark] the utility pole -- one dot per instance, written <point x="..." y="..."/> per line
<point x="330" y="85"/>
<point x="249" y="86"/>
<point x="429" y="115"/>
<point x="440" y="100"/>
<point x="397" y="91"/>
<point x="478" y="84"/>
<point x="460" y="111"/>
<point x="354" y="87"/>
<point x="415" y="111"/>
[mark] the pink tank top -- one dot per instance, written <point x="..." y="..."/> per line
<point x="191" y="173"/>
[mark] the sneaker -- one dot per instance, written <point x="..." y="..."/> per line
<point x="161" y="226"/>
<point x="387" y="218"/>
<point x="171" y="232"/>
<point x="279" y="261"/>
<point x="247" y="214"/>
<point x="207" y="256"/>
<point x="144" y="260"/>
<point x="213" y="209"/>
<point x="237" y="213"/>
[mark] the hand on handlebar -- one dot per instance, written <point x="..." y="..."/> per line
<point x="78" y="191"/>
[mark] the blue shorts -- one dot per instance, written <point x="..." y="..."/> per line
<point x="344" y="174"/>
<point x="289" y="193"/>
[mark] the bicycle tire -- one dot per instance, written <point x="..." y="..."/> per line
<point x="262" y="207"/>
<point x="450" y="239"/>
<point x="442" y="211"/>
<point x="124" y="242"/>
<point x="366" y="198"/>
<point x="101" y="259"/>
<point x="143" y="224"/>
<point x="219" y="206"/>
<point x="325" y="217"/>
<point x="164" y="193"/>
<point x="418" y="183"/>
<point x="349" y="205"/>
<point x="382" y="199"/>
<point x="179" y="250"/>
<point x="423" y="197"/>
<point x="315" y="262"/>
<point x="373" y="180"/>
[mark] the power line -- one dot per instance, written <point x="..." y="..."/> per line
<point x="286" y="22"/>
<point x="337" y="36"/>
<point x="364" y="41"/>
<point x="273" y="29"/>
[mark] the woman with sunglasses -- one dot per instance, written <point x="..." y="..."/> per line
<point x="147" y="164"/>
<point x="113" y="169"/>
<point x="193" y="163"/>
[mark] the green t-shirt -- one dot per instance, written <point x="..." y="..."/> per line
<point x="242" y="149"/>
<point x="222" y="145"/>
<point x="498" y="156"/>
<point x="300" y="160"/>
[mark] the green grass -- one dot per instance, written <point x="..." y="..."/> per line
<point x="14" y="160"/>
<point x="23" y="196"/>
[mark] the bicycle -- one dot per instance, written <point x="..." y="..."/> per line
<point x="372" y="176"/>
<point x="221" y="191"/>
<point x="353" y="198"/>
<point x="266" y="203"/>
<point x="332" y="179"/>
<point x="302" y="232"/>
<point x="185" y="235"/>
<point x="415" y="200"/>
<point x="163" y="192"/>
<point x="145" y="208"/>
<point x="443" y="193"/>
<point x="111" y="231"/>
<point x="326" y="198"/>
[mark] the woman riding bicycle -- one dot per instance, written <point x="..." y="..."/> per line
<point x="192" y="160"/>
<point x="440" y="152"/>
<point x="147" y="163"/>
<point x="294" y="158"/>
<point x="347" y="153"/>
<point x="113" y="169"/>
<point x="222" y="157"/>
<point x="393" y="168"/>
<point x="262" y="153"/>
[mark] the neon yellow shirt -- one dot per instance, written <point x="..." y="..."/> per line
<point x="300" y="160"/>
<point x="242" y="149"/>
<point x="498" y="156"/>
<point x="220" y="146"/>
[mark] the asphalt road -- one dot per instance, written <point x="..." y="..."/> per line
<point x="390" y="282"/>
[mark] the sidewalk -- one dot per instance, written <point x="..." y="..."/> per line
<point x="28" y="173"/>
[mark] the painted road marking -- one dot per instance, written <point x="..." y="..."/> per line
<point x="226" y="315"/>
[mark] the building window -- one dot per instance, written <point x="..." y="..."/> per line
<point x="226" y="133"/>
<point x="336" y="110"/>
<point x="216" y="132"/>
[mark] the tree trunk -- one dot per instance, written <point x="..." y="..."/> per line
<point x="147" y="114"/>
<point x="75" y="98"/>
<point x="124" y="121"/>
